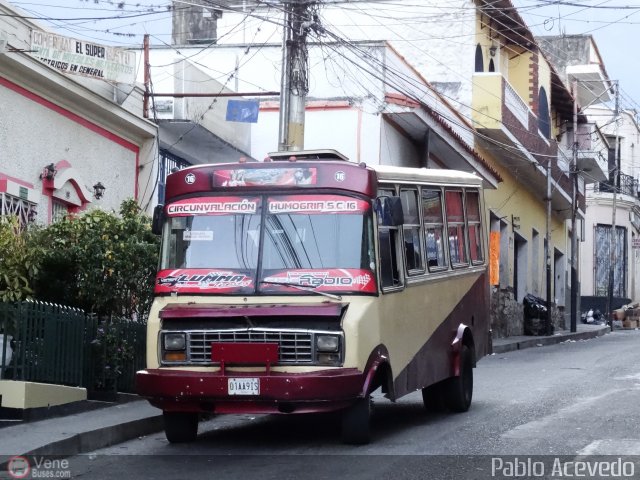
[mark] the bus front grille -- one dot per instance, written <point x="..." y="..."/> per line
<point x="294" y="347"/>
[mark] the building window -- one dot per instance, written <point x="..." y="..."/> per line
<point x="603" y="261"/>
<point x="58" y="211"/>
<point x="544" y="119"/>
<point x="168" y="163"/>
<point x="479" y="59"/>
<point x="25" y="211"/>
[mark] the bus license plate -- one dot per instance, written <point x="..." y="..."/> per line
<point x="244" y="386"/>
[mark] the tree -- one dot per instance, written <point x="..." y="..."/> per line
<point x="19" y="260"/>
<point x="100" y="262"/>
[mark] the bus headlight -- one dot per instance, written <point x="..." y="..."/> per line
<point x="327" y="343"/>
<point x="175" y="341"/>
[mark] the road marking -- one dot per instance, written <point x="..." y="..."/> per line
<point x="610" y="446"/>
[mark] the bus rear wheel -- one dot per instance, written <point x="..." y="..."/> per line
<point x="459" y="390"/>
<point x="180" y="427"/>
<point x="356" y="422"/>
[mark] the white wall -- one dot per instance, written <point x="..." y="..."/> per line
<point x="33" y="136"/>
<point x="50" y="117"/>
<point x="348" y="130"/>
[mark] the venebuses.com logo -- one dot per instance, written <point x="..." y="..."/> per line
<point x="18" y="467"/>
<point x="38" y="467"/>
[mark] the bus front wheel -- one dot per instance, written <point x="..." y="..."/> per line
<point x="459" y="390"/>
<point x="356" y="422"/>
<point x="180" y="427"/>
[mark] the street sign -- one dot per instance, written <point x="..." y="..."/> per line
<point x="80" y="57"/>
<point x="243" y="111"/>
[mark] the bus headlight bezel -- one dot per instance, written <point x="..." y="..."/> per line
<point x="329" y="349"/>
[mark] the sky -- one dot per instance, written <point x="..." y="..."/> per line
<point x="614" y="24"/>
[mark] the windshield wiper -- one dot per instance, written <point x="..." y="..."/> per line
<point x="306" y="288"/>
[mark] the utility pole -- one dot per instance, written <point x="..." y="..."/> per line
<point x="147" y="77"/>
<point x="613" y="236"/>
<point x="294" y="81"/>
<point x="547" y="250"/>
<point x="574" y="212"/>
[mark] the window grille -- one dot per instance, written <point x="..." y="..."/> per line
<point x="21" y="208"/>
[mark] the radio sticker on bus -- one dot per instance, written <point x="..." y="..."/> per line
<point x="213" y="206"/>
<point x="339" y="279"/>
<point x="316" y="204"/>
<point x="202" y="280"/>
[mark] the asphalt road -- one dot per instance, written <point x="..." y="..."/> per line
<point x="575" y="400"/>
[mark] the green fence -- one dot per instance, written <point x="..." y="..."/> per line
<point x="65" y="346"/>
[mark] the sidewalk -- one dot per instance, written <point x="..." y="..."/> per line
<point x="518" y="342"/>
<point x="97" y="428"/>
<point x="80" y="432"/>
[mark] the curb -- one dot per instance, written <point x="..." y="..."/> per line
<point x="553" y="340"/>
<point x="84" y="442"/>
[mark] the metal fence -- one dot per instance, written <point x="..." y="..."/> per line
<point x="625" y="185"/>
<point x="47" y="343"/>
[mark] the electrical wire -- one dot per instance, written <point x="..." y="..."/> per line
<point x="271" y="5"/>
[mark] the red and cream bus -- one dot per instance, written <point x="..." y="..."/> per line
<point x="303" y="284"/>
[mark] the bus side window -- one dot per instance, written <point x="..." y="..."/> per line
<point x="433" y="228"/>
<point x="472" y="205"/>
<point x="411" y="231"/>
<point x="456" y="229"/>
<point x="388" y="243"/>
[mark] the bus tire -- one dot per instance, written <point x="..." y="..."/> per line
<point x="459" y="390"/>
<point x="180" y="427"/>
<point x="433" y="398"/>
<point x="356" y="422"/>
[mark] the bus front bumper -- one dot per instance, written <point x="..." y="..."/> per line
<point x="279" y="392"/>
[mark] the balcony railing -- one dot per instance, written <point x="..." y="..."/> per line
<point x="516" y="105"/>
<point x="627" y="185"/>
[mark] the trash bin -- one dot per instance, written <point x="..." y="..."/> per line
<point x="535" y="316"/>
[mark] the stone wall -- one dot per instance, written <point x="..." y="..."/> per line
<point x="507" y="315"/>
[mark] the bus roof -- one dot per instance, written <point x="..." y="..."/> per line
<point x="302" y="175"/>
<point x="387" y="173"/>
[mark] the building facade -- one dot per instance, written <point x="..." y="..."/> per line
<point x="67" y="142"/>
<point x="610" y="136"/>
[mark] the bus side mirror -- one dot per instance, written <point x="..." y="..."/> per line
<point x="390" y="212"/>
<point x="158" y="220"/>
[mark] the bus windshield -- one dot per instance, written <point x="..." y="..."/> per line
<point x="260" y="244"/>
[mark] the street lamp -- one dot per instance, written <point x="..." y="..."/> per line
<point x="98" y="190"/>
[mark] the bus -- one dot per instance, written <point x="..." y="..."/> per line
<point x="306" y="282"/>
